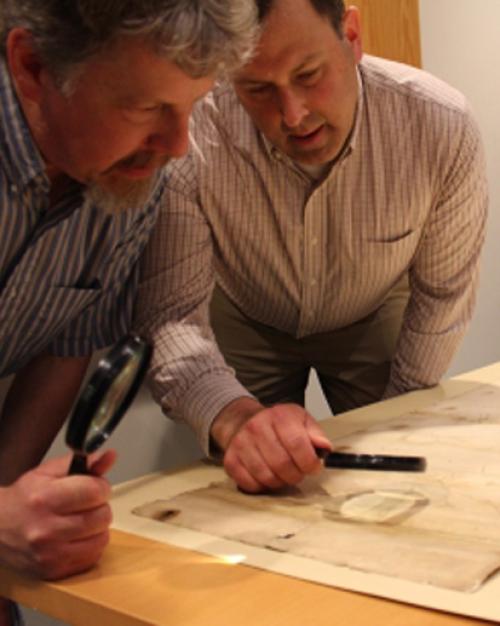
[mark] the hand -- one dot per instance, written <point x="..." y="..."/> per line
<point x="53" y="525"/>
<point x="268" y="448"/>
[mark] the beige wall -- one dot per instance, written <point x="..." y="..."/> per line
<point x="461" y="44"/>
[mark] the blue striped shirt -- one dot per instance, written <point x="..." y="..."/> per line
<point x="67" y="276"/>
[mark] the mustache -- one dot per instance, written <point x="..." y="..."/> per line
<point x="140" y="160"/>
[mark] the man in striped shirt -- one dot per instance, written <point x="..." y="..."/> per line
<point x="94" y="98"/>
<point x="319" y="187"/>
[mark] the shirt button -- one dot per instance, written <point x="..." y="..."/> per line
<point x="314" y="241"/>
<point x="13" y="188"/>
<point x="313" y="282"/>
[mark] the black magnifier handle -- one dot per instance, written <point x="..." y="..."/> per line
<point x="79" y="464"/>
<point x="376" y="462"/>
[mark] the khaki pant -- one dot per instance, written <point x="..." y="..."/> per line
<point x="352" y="363"/>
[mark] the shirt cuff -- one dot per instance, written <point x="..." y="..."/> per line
<point x="205" y="400"/>
<point x="421" y="361"/>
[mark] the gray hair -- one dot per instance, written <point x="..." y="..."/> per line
<point x="201" y="36"/>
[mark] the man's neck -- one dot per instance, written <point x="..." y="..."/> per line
<point x="316" y="172"/>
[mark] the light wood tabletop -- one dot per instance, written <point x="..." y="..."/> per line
<point x="141" y="581"/>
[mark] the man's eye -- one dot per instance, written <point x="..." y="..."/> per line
<point x="148" y="109"/>
<point x="257" y="90"/>
<point x="309" y="77"/>
<point x="141" y="115"/>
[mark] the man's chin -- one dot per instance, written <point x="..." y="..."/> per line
<point x="119" y="194"/>
<point x="317" y="154"/>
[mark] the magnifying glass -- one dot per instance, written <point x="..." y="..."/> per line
<point x="104" y="400"/>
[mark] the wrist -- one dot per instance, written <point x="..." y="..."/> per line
<point x="229" y="421"/>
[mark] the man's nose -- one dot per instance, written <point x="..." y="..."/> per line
<point x="171" y="136"/>
<point x="292" y="108"/>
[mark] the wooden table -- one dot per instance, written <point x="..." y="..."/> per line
<point x="140" y="581"/>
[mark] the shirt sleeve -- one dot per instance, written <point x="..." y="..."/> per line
<point x="444" y="273"/>
<point x="189" y="377"/>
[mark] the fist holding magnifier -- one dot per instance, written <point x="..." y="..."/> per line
<point x="55" y="524"/>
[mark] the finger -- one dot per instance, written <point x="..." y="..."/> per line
<point x="73" y="494"/>
<point x="94" y="522"/>
<point x="99" y="464"/>
<point x="55" y="468"/>
<point x="243" y="460"/>
<point x="245" y="481"/>
<point x="63" y="528"/>
<point x="73" y="557"/>
<point x="89" y="523"/>
<point x="292" y="430"/>
<point x="276" y="456"/>
<point x="102" y="462"/>
<point x="316" y="434"/>
<point x="319" y="440"/>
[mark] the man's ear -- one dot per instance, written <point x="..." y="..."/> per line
<point x="24" y="64"/>
<point x="351" y="25"/>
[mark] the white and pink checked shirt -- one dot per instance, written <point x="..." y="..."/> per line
<point x="407" y="195"/>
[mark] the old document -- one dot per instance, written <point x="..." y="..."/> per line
<point x="440" y="529"/>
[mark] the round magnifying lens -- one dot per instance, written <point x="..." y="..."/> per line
<point x="104" y="400"/>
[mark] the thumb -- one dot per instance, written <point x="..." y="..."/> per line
<point x="316" y="434"/>
<point x="101" y="462"/>
<point x="55" y="468"/>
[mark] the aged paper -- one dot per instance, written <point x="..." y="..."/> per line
<point x="368" y="531"/>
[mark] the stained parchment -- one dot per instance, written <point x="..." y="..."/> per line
<point x="441" y="528"/>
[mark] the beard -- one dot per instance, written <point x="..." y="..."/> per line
<point x="113" y="193"/>
<point x="117" y="198"/>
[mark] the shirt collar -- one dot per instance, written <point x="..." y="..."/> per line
<point x="19" y="154"/>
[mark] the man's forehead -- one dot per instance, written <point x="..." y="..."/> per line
<point x="132" y="72"/>
<point x="292" y="62"/>
<point x="289" y="39"/>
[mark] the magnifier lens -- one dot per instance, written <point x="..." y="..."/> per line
<point x="107" y="396"/>
<point x="99" y="428"/>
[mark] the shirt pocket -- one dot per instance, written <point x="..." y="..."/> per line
<point x="394" y="237"/>
<point x="55" y="307"/>
<point x="390" y="253"/>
